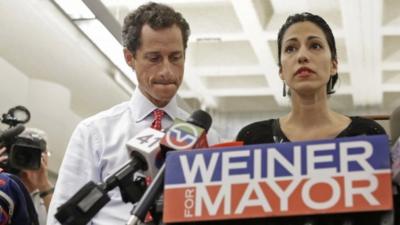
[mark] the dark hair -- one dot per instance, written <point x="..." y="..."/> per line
<point x="157" y="16"/>
<point x="321" y="23"/>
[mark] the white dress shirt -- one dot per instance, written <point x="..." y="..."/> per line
<point x="97" y="149"/>
<point x="39" y="206"/>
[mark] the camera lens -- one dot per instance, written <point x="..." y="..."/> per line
<point x="25" y="157"/>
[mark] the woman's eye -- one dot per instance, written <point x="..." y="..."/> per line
<point x="290" y="49"/>
<point x="316" y="46"/>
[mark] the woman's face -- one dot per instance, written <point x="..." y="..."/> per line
<point x="306" y="62"/>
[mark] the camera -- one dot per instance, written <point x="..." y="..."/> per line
<point x="24" y="150"/>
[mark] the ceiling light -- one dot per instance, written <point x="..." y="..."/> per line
<point x="75" y="9"/>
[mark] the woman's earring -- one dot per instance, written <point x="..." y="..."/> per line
<point x="330" y="85"/>
<point x="284" y="89"/>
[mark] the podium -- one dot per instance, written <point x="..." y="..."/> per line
<point x="340" y="181"/>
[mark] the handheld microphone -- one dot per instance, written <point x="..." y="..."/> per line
<point x="91" y="198"/>
<point x="180" y="136"/>
<point x="146" y="146"/>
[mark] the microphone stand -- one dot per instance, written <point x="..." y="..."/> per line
<point x="152" y="192"/>
<point x="88" y="201"/>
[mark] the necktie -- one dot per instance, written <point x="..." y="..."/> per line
<point x="156" y="124"/>
<point x="157" y="115"/>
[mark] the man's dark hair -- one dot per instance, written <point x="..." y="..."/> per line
<point x="321" y="23"/>
<point x="157" y="16"/>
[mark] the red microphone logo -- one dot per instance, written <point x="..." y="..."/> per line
<point x="182" y="135"/>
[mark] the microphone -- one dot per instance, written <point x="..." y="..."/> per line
<point x="181" y="136"/>
<point x="186" y="135"/>
<point x="146" y="146"/>
<point x="91" y="198"/>
<point x="12" y="132"/>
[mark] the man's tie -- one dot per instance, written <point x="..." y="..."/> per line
<point x="157" y="115"/>
<point x="156" y="124"/>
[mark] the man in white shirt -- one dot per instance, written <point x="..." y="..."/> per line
<point x="155" y="39"/>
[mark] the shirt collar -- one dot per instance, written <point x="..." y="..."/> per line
<point x="143" y="107"/>
<point x="35" y="192"/>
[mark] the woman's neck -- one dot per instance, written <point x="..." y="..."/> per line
<point x="311" y="119"/>
<point x="309" y="111"/>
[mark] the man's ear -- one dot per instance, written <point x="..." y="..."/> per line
<point x="129" y="59"/>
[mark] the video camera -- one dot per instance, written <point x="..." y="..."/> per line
<point x="24" y="150"/>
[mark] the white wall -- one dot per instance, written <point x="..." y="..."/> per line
<point x="48" y="102"/>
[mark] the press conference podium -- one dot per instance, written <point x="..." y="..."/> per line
<point x="367" y="157"/>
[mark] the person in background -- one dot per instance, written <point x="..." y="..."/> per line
<point x="16" y="206"/>
<point x="155" y="38"/>
<point x="36" y="182"/>
<point x="308" y="66"/>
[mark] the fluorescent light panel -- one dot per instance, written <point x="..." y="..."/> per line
<point x="98" y="34"/>
<point x="76" y="9"/>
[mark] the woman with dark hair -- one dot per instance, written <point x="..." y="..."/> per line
<point x="308" y="68"/>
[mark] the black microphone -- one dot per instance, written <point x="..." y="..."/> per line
<point x="146" y="146"/>
<point x="12" y="132"/>
<point x="180" y="136"/>
<point x="91" y="198"/>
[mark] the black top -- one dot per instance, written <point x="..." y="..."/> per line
<point x="269" y="131"/>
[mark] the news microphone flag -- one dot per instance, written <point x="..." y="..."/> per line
<point x="146" y="146"/>
<point x="183" y="135"/>
<point x="274" y="180"/>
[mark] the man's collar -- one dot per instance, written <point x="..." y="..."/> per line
<point x="143" y="107"/>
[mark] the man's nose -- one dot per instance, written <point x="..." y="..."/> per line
<point x="166" y="68"/>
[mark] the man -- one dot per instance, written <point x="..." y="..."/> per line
<point x="155" y="39"/>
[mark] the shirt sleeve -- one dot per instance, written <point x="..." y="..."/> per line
<point x="79" y="166"/>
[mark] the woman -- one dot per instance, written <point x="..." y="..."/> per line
<point x="308" y="68"/>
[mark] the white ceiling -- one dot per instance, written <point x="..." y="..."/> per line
<point x="232" y="53"/>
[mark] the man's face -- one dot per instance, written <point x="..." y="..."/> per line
<point x="159" y="63"/>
